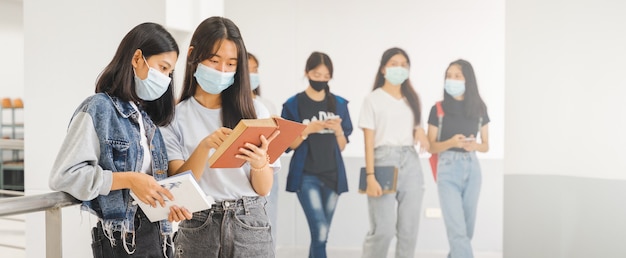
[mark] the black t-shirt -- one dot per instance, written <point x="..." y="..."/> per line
<point x="320" y="160"/>
<point x="455" y="122"/>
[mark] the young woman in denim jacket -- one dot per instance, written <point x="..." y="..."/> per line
<point x="316" y="172"/>
<point x="215" y="97"/>
<point x="390" y="119"/>
<point x="458" y="171"/>
<point x="113" y="146"/>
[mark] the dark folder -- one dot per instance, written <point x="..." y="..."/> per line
<point x="387" y="177"/>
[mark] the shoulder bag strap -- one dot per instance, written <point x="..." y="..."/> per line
<point x="440" y="115"/>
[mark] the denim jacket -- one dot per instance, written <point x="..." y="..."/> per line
<point x="296" y="166"/>
<point x="104" y="138"/>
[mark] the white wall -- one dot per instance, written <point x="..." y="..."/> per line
<point x="12" y="50"/>
<point x="564" y="163"/>
<point x="356" y="33"/>
<point x="565" y="88"/>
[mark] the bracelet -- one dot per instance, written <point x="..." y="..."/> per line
<point x="369" y="174"/>
<point x="267" y="162"/>
<point x="338" y="135"/>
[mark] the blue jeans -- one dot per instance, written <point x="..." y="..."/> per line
<point x="238" y="228"/>
<point x="396" y="214"/>
<point x="458" y="182"/>
<point x="318" y="202"/>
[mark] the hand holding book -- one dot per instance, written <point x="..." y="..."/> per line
<point x="257" y="155"/>
<point x="146" y="188"/>
<point x="185" y="196"/>
<point x="246" y="139"/>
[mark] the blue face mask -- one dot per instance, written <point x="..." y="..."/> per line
<point x="396" y="75"/>
<point x="213" y="81"/>
<point x="154" y="86"/>
<point x="254" y="81"/>
<point x="454" y="87"/>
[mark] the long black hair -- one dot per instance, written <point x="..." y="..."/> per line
<point x="473" y="104"/>
<point x="237" y="101"/>
<point x="118" y="78"/>
<point x="406" y="88"/>
<point x="316" y="59"/>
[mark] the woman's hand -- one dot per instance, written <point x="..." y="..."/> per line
<point x="257" y="155"/>
<point x="146" y="188"/>
<point x="178" y="213"/>
<point x="314" y="127"/>
<point x="470" y="144"/>
<point x="214" y="140"/>
<point x="373" y="187"/>
<point x="458" y="141"/>
<point x="334" y="124"/>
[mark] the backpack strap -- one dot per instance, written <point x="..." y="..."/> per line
<point x="440" y="115"/>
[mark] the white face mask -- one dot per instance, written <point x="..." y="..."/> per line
<point x="154" y="86"/>
<point x="454" y="87"/>
<point x="396" y="75"/>
<point x="254" y="81"/>
<point x="213" y="81"/>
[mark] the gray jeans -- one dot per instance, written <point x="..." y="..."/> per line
<point x="397" y="214"/>
<point x="238" y="228"/>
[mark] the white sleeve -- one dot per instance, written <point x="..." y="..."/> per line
<point x="173" y="141"/>
<point x="76" y="170"/>
<point x="367" y="118"/>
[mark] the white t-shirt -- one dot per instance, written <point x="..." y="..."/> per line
<point x="390" y="118"/>
<point x="269" y="105"/>
<point x="146" y="165"/>
<point x="192" y="123"/>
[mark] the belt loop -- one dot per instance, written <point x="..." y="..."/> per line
<point x="245" y="205"/>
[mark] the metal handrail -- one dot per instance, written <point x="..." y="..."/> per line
<point x="35" y="203"/>
<point x="51" y="204"/>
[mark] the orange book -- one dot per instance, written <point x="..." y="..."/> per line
<point x="249" y="131"/>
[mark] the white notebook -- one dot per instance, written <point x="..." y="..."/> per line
<point x="186" y="191"/>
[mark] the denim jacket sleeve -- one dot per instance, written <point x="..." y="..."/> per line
<point x="346" y="121"/>
<point x="76" y="169"/>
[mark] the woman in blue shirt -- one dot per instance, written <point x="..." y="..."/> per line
<point x="316" y="171"/>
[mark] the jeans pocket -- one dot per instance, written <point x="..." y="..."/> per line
<point x="256" y="219"/>
<point x="199" y="221"/>
<point x="381" y="154"/>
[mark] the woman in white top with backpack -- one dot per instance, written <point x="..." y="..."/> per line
<point x="390" y="119"/>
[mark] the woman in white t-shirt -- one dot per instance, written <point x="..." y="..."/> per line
<point x="390" y="119"/>
<point x="215" y="97"/>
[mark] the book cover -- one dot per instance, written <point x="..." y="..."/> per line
<point x="249" y="130"/>
<point x="187" y="193"/>
<point x="387" y="177"/>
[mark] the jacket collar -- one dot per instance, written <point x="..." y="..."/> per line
<point x="123" y="107"/>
